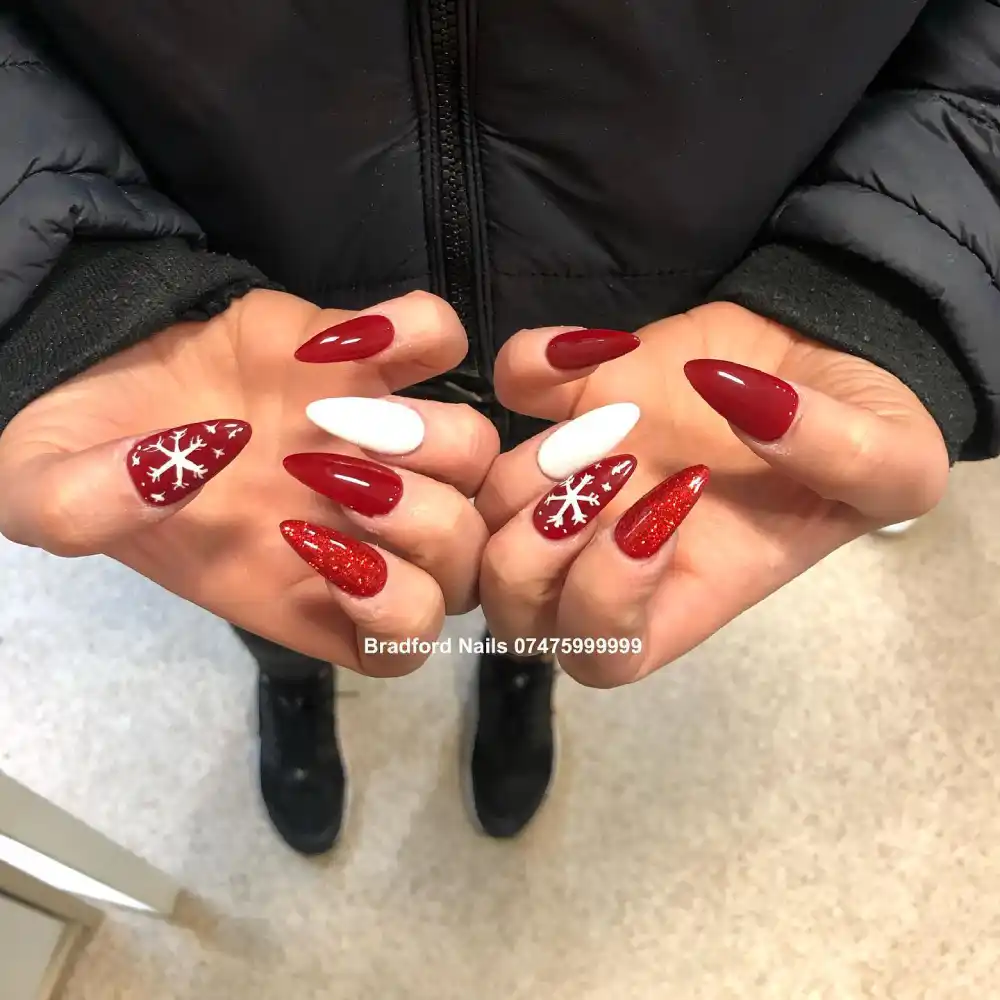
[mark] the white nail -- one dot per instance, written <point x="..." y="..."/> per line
<point x="373" y="424"/>
<point x="586" y="439"/>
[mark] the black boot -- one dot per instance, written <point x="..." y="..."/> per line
<point x="514" y="750"/>
<point x="301" y="774"/>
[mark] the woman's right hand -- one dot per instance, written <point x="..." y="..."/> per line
<point x="131" y="458"/>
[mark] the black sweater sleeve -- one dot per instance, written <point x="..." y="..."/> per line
<point x="889" y="246"/>
<point x="92" y="259"/>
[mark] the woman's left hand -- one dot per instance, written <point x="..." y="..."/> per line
<point x="820" y="447"/>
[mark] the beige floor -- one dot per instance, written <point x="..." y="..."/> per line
<point x="806" y="807"/>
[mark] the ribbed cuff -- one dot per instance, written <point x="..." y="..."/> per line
<point x="862" y="309"/>
<point x="105" y="296"/>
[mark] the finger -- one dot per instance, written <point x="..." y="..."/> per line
<point x="521" y="475"/>
<point x="78" y="503"/>
<point x="407" y="340"/>
<point x="542" y="373"/>
<point x="526" y="561"/>
<point x="606" y="595"/>
<point x="430" y="525"/>
<point x="388" y="600"/>
<point x="450" y="442"/>
<point x="890" y="466"/>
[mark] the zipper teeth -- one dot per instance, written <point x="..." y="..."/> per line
<point x="456" y="222"/>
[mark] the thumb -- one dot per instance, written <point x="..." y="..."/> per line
<point x="77" y="503"/>
<point x="888" y="461"/>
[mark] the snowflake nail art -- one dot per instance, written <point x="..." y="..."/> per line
<point x="575" y="502"/>
<point x="168" y="466"/>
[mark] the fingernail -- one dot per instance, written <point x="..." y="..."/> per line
<point x="367" y="487"/>
<point x="373" y="424"/>
<point x="648" y="525"/>
<point x="759" y="404"/>
<point x="586" y="348"/>
<point x="168" y="466"/>
<point x="574" y="503"/>
<point x="583" y="441"/>
<point x="355" y="567"/>
<point x="361" y="337"/>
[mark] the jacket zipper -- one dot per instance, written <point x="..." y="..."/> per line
<point x="456" y="256"/>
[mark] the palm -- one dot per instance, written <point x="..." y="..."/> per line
<point x="224" y="551"/>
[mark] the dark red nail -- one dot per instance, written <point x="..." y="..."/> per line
<point x="586" y="348"/>
<point x="569" y="507"/>
<point x="361" y="337"/>
<point x="354" y="567"/>
<point x="168" y="466"/>
<point x="757" y="403"/>
<point x="367" y="487"/>
<point x="647" y="526"/>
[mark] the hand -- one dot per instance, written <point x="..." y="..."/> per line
<point x="109" y="463"/>
<point x="850" y="448"/>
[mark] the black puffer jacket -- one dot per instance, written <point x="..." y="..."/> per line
<point x="600" y="162"/>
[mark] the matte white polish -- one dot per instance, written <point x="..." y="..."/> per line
<point x="587" y="439"/>
<point x="378" y="425"/>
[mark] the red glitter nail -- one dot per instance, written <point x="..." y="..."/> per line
<point x="569" y="507"/>
<point x="648" y="525"/>
<point x="168" y="466"/>
<point x="353" y="566"/>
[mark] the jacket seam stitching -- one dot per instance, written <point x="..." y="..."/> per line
<point x="871" y="189"/>
<point x="22" y="64"/>
<point x="662" y="273"/>
<point x="976" y="116"/>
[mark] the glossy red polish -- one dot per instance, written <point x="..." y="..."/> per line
<point x="367" y="487"/>
<point x="355" y="567"/>
<point x="648" y="525"/>
<point x="586" y="348"/>
<point x="358" y="338"/>
<point x="170" y="465"/>
<point x="569" y="507"/>
<point x="759" y="404"/>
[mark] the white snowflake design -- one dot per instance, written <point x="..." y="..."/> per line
<point x="572" y="499"/>
<point x="177" y="459"/>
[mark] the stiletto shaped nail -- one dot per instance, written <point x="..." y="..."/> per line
<point x="586" y="348"/>
<point x="361" y="337"/>
<point x="759" y="404"/>
<point x="170" y="465"/>
<point x="367" y="487"/>
<point x="373" y="424"/>
<point x="574" y="503"/>
<point x="355" y="567"/>
<point x="584" y="440"/>
<point x="648" y="525"/>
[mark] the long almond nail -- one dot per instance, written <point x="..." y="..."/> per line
<point x="648" y="525"/>
<point x="574" y="503"/>
<point x="757" y="403"/>
<point x="355" y="567"/>
<point x="168" y="466"/>
<point x="367" y="487"/>
<point x="585" y="348"/>
<point x="584" y="440"/>
<point x="358" y="338"/>
<point x="378" y="425"/>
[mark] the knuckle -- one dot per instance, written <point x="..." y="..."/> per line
<point x="508" y="577"/>
<point x="431" y="312"/>
<point x="445" y="533"/>
<point x="58" y="523"/>
<point x="862" y="457"/>
<point x="475" y="441"/>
